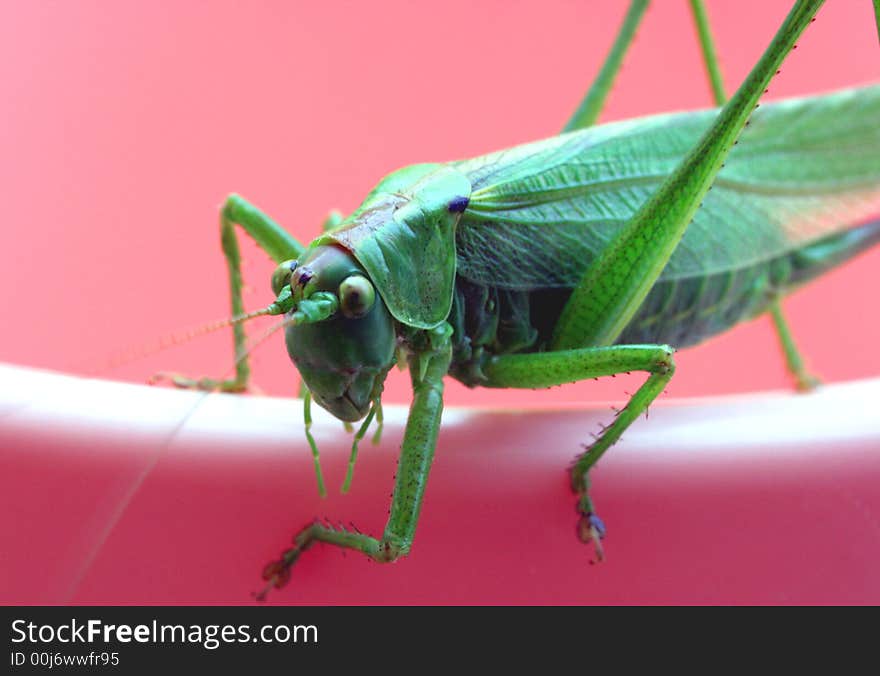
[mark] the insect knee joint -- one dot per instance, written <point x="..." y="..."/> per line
<point x="665" y="363"/>
<point x="390" y="550"/>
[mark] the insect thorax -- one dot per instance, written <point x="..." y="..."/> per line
<point x="490" y="321"/>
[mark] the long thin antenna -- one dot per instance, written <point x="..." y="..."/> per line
<point x="172" y="340"/>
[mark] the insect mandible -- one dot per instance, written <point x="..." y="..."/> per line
<point x="596" y="252"/>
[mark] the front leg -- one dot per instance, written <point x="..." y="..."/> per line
<point x="279" y="245"/>
<point x="427" y="368"/>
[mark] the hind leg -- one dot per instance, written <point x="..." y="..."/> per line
<point x="804" y="380"/>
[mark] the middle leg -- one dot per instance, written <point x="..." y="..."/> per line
<point x="546" y="369"/>
<point x="279" y="245"/>
<point x="428" y="366"/>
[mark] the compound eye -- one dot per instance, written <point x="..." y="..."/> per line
<point x="281" y="276"/>
<point x="356" y="296"/>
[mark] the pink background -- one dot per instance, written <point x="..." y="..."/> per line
<point x="767" y="498"/>
<point x="124" y="126"/>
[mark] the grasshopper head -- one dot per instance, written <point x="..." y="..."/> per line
<point x="344" y="357"/>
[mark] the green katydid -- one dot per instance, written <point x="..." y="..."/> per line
<point x="592" y="253"/>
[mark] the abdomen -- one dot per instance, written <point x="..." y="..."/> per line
<point x="683" y="312"/>
<point x="677" y="311"/>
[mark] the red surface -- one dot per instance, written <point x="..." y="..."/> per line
<point x="112" y="497"/>
<point x="123" y="127"/>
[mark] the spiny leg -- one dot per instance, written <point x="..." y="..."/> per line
<point x="428" y="366"/>
<point x="278" y="244"/>
<point x="617" y="281"/>
<point x="794" y="361"/>
<point x="546" y="369"/>
<point x="594" y="100"/>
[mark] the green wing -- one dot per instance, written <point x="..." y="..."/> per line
<point x="803" y="169"/>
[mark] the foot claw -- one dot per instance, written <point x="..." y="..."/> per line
<point x="276" y="574"/>
<point x="591" y="529"/>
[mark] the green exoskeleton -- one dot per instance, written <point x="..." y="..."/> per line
<point x="594" y="252"/>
